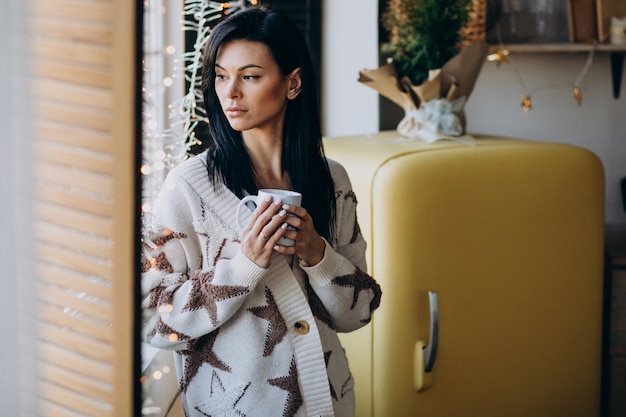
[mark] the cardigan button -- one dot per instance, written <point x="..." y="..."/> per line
<point x="302" y="327"/>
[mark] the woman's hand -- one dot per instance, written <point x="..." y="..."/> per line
<point x="263" y="232"/>
<point x="309" y="245"/>
<point x="269" y="224"/>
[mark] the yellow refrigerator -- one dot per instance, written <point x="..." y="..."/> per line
<point x="490" y="257"/>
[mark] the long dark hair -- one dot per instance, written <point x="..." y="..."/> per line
<point x="303" y="153"/>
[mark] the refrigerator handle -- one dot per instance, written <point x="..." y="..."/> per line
<point x="430" y="350"/>
<point x="424" y="354"/>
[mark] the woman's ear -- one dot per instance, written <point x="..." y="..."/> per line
<point x="295" y="84"/>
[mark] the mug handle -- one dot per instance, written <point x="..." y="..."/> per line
<point x="241" y="204"/>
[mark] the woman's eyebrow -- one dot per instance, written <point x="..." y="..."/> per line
<point x="242" y="68"/>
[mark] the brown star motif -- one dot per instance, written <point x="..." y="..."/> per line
<point x="317" y="307"/>
<point x="332" y="389"/>
<point x="350" y="195"/>
<point x="290" y="384"/>
<point x="199" y="352"/>
<point x="360" y="281"/>
<point x="347" y="386"/>
<point x="166" y="236"/>
<point x="168" y="332"/>
<point x="159" y="296"/>
<point x="205" y="295"/>
<point x="356" y="231"/>
<point x="277" y="329"/>
<point x="222" y="401"/>
<point x="211" y="250"/>
<point x="146" y="263"/>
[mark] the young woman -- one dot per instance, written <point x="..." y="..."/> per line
<point x="254" y="323"/>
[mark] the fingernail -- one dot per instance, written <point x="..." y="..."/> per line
<point x="282" y="213"/>
<point x="286" y="206"/>
<point x="284" y="226"/>
<point x="278" y="202"/>
<point x="268" y="198"/>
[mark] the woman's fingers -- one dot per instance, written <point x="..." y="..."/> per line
<point x="274" y="229"/>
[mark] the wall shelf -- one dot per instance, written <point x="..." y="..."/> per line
<point x="617" y="53"/>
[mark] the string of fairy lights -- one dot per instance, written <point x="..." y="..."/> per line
<point x="170" y="123"/>
<point x="171" y="116"/>
<point x="502" y="55"/>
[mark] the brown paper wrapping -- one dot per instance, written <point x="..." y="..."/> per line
<point x="454" y="80"/>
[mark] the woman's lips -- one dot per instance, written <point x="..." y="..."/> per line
<point x="234" y="111"/>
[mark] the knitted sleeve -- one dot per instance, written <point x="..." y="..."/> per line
<point x="182" y="299"/>
<point x="340" y="280"/>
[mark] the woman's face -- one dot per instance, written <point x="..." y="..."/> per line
<point x="250" y="88"/>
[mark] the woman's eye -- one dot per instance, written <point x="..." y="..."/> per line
<point x="220" y="77"/>
<point x="251" y="77"/>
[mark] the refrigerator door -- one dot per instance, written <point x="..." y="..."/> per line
<point x="499" y="245"/>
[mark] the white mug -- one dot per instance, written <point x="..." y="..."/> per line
<point x="292" y="198"/>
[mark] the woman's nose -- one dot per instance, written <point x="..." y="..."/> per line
<point x="233" y="90"/>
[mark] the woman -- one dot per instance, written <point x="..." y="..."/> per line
<point x="253" y="323"/>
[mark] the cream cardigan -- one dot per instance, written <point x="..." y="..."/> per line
<point x="250" y="341"/>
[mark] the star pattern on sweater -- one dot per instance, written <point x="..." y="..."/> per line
<point x="200" y="352"/>
<point x="165" y="236"/>
<point x="356" y="231"/>
<point x="212" y="251"/>
<point x="205" y="295"/>
<point x="277" y="329"/>
<point x="160" y="296"/>
<point x="347" y="386"/>
<point x="216" y="233"/>
<point x="158" y="262"/>
<point x="169" y="333"/>
<point x="222" y="402"/>
<point x="290" y="384"/>
<point x="332" y="389"/>
<point x="317" y="307"/>
<point x="361" y="282"/>
<point x="350" y="195"/>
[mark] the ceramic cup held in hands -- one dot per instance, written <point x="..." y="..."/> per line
<point x="287" y="197"/>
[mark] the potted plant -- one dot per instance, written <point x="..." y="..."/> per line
<point x="424" y="34"/>
<point x="435" y="57"/>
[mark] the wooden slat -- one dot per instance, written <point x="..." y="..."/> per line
<point x="73" y="52"/>
<point x="78" y="31"/>
<point x="51" y="131"/>
<point x="52" y="353"/>
<point x="80" y="10"/>
<point x="75" y="219"/>
<point x="73" y="401"/>
<point x="50" y="409"/>
<point x="72" y="279"/>
<point x="74" y="156"/>
<point x="71" y="93"/>
<point x="78" y="115"/>
<point x="91" y="76"/>
<point x="80" y="384"/>
<point x="71" y="176"/>
<point x="84" y="346"/>
<point x="74" y="240"/>
<point x="77" y="324"/>
<point x="77" y="262"/>
<point x="86" y="305"/>
<point x="71" y="199"/>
